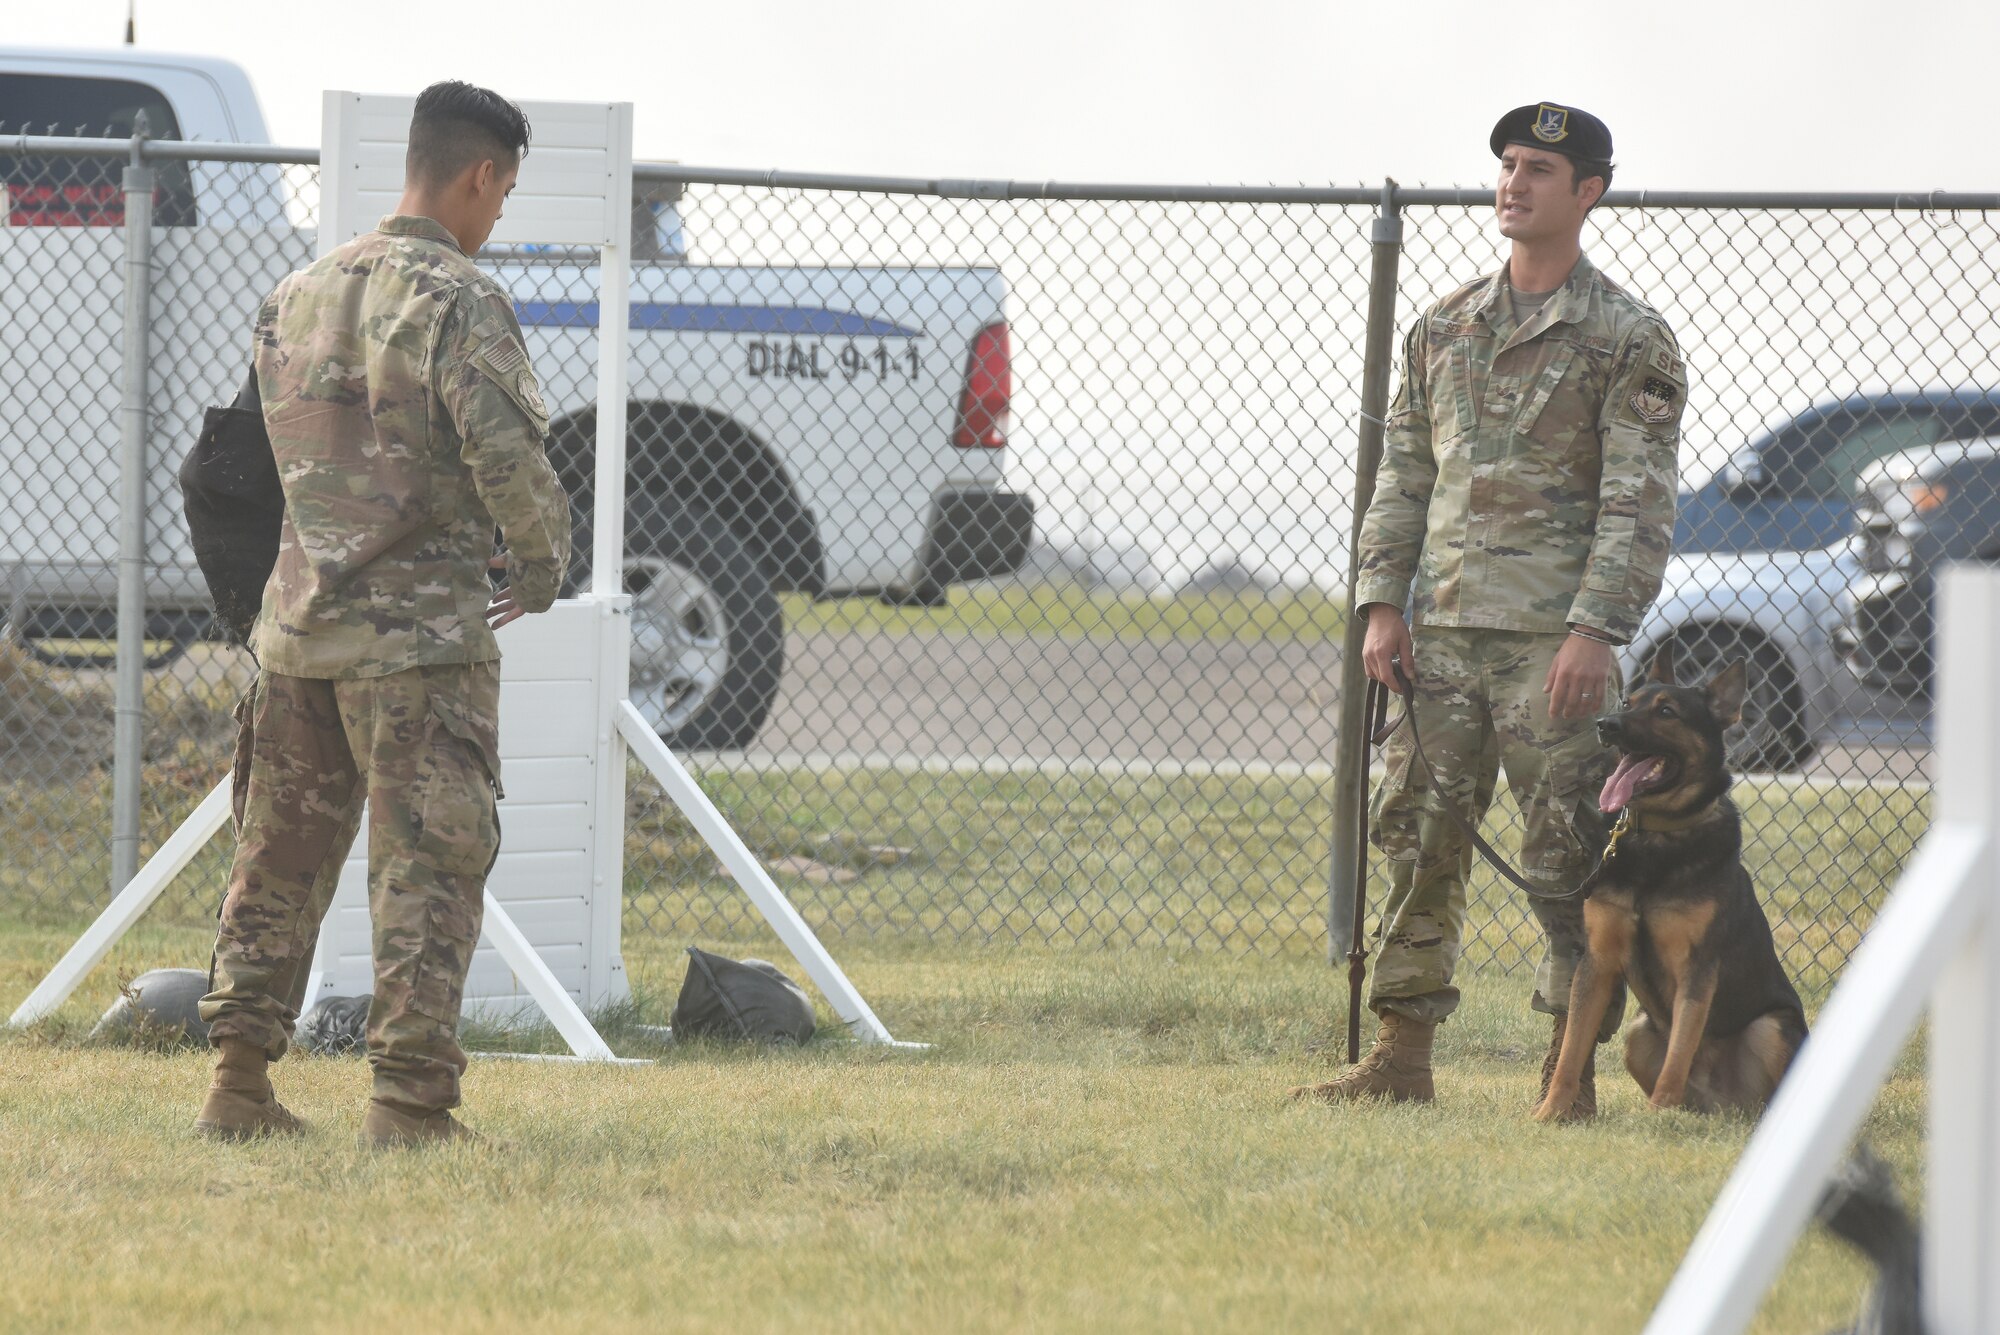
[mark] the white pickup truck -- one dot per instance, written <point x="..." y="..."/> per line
<point x="833" y="431"/>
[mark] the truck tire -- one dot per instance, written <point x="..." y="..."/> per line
<point x="1772" y="736"/>
<point x="708" y="634"/>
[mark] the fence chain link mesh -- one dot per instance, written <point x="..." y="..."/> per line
<point x="1129" y="739"/>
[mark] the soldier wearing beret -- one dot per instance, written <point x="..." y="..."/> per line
<point x="406" y="425"/>
<point x="1522" y="517"/>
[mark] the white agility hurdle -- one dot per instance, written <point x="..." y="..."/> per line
<point x="1937" y="941"/>
<point x="555" y="897"/>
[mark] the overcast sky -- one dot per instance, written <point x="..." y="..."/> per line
<point x="1729" y="95"/>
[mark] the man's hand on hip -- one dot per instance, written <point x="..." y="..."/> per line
<point x="1388" y="639"/>
<point x="1577" y="678"/>
<point x="501" y="608"/>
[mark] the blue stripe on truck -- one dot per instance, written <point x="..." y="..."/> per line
<point x="700" y="318"/>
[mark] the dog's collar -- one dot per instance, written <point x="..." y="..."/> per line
<point x="1629" y="820"/>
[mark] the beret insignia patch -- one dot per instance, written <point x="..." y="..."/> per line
<point x="1654" y="401"/>
<point x="1551" y="123"/>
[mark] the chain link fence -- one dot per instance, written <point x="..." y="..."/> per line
<point x="1117" y="725"/>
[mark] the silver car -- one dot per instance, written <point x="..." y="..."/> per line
<point x="1778" y="610"/>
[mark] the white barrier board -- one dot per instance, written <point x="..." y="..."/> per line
<point x="546" y="875"/>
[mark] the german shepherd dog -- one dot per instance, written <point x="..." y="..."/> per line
<point x="1671" y="911"/>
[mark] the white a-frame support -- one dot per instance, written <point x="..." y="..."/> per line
<point x="554" y="900"/>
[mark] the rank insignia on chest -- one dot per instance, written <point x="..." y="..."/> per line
<point x="1654" y="401"/>
<point x="1551" y="123"/>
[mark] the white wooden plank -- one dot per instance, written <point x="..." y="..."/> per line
<point x="493" y="975"/>
<point x="527" y="886"/>
<point x="577" y="175"/>
<point x="568" y="125"/>
<point x="543" y="780"/>
<point x="541" y="875"/>
<point x="528" y="835"/>
<point x="553" y="222"/>
<point x="378" y="164"/>
<point x="489" y="976"/>
<point x="556" y="644"/>
<point x="547" y="718"/>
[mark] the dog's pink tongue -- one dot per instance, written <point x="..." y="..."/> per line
<point x="1625" y="781"/>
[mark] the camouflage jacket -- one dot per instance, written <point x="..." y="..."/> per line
<point x="1528" y="474"/>
<point x="406" y="425"/>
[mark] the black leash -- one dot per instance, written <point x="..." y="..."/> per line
<point x="1375" y="705"/>
<point x="1380" y="734"/>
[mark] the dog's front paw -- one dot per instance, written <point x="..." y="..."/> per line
<point x="1666" y="1099"/>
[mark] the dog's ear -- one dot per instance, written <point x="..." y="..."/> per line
<point x="1662" y="673"/>
<point x="1725" y="692"/>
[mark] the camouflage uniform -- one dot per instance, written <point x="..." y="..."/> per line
<point x="1527" y="485"/>
<point x="406" y="425"/>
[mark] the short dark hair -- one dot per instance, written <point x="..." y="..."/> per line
<point x="459" y="124"/>
<point x="1582" y="169"/>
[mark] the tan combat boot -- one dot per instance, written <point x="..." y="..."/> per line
<point x="390" y="1126"/>
<point x="241" y="1105"/>
<point x="1586" y="1086"/>
<point x="1398" y="1067"/>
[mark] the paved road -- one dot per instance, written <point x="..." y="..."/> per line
<point x="952" y="698"/>
<point x="961" y="701"/>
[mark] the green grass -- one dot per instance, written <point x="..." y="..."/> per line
<point x="1071" y="612"/>
<point x="1097" y="1140"/>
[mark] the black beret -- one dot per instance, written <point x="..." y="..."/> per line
<point x="1572" y="132"/>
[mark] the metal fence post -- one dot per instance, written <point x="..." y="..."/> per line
<point x="1350" y="771"/>
<point x="129" y="736"/>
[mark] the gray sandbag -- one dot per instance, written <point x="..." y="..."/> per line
<point x="335" y="1027"/>
<point x="159" y="1007"/>
<point x="745" y="1000"/>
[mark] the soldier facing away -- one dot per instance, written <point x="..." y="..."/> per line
<point x="406" y="424"/>
<point x="1523" y="512"/>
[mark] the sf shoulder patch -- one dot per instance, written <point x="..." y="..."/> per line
<point x="1654" y="400"/>
<point x="1551" y="123"/>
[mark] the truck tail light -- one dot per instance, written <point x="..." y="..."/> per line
<point x="984" y="405"/>
<point x="101" y="205"/>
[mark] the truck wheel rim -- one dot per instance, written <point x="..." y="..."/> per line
<point x="680" y="641"/>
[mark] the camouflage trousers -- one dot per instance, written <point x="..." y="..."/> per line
<point x="1480" y="707"/>
<point x="420" y="747"/>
